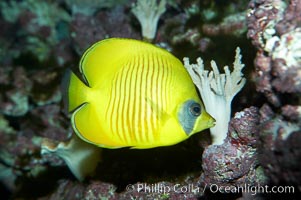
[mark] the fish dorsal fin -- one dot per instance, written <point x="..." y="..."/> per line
<point x="104" y="58"/>
<point x="98" y="60"/>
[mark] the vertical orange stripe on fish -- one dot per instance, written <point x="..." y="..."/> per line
<point x="118" y="107"/>
<point x="155" y="87"/>
<point x="130" y="99"/>
<point x="123" y="125"/>
<point x="134" y="99"/>
<point x="141" y="86"/>
<point x="159" y="94"/>
<point x="147" y="105"/>
<point x="167" y="82"/>
<point x="111" y="111"/>
<point x="152" y="119"/>
<point x="138" y="80"/>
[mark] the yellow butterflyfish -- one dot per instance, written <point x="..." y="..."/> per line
<point x="134" y="94"/>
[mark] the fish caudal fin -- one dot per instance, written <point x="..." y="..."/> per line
<point x="76" y="92"/>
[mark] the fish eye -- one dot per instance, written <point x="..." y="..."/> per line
<point x="195" y="109"/>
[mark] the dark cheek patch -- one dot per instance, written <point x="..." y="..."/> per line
<point x="186" y="117"/>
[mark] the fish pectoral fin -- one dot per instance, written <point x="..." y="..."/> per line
<point x="161" y="114"/>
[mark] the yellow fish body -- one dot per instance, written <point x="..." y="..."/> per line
<point x="135" y="95"/>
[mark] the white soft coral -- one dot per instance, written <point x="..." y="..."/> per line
<point x="217" y="91"/>
<point x="81" y="157"/>
<point x="148" y="14"/>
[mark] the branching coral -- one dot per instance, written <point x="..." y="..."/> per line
<point x="217" y="91"/>
<point x="148" y="14"/>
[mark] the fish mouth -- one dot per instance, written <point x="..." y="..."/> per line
<point x="211" y="122"/>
